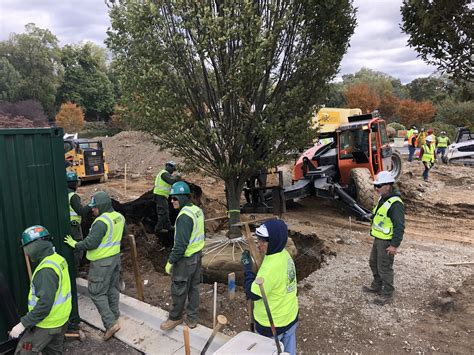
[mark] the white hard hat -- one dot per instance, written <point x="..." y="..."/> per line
<point x="429" y="138"/>
<point x="171" y="163"/>
<point x="262" y="232"/>
<point x="384" y="177"/>
<point x="415" y="131"/>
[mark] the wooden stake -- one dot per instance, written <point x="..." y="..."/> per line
<point x="138" y="279"/>
<point x="187" y="346"/>
<point x="460" y="263"/>
<point x="231" y="285"/>
<point x="28" y="265"/>
<point x="214" y="312"/>
<point x="125" y="179"/>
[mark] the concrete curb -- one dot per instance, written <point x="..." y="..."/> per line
<point x="140" y="326"/>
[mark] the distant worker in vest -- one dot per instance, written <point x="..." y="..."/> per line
<point x="410" y="131"/>
<point x="184" y="263"/>
<point x="49" y="299"/>
<point x="103" y="250"/>
<point x="76" y="212"/>
<point x="443" y="142"/>
<point x="279" y="274"/>
<point x="412" y="141"/>
<point x="433" y="137"/>
<point x="387" y="229"/>
<point x="163" y="183"/>
<point x="421" y="138"/>
<point x="427" y="156"/>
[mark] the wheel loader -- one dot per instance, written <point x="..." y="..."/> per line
<point x="86" y="158"/>
<point x="350" y="151"/>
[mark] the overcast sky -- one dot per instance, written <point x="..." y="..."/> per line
<point x="376" y="44"/>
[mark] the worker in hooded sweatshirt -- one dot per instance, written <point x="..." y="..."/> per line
<point x="163" y="181"/>
<point x="388" y="226"/>
<point x="185" y="260"/>
<point x="279" y="274"/>
<point x="49" y="299"/>
<point x="103" y="250"/>
<point x="76" y="212"/>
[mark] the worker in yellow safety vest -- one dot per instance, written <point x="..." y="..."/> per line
<point x="387" y="228"/>
<point x="443" y="142"/>
<point x="184" y="262"/>
<point x="427" y="156"/>
<point x="49" y="299"/>
<point x="279" y="274"/>
<point x="163" y="181"/>
<point x="103" y="251"/>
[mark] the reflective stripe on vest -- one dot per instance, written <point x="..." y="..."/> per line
<point x="110" y="243"/>
<point x="442" y="142"/>
<point x="162" y="188"/>
<point x="382" y="226"/>
<point x="196" y="241"/>
<point x="59" y="313"/>
<point x="428" y="153"/>
<point x="72" y="214"/>
<point x="279" y="274"/>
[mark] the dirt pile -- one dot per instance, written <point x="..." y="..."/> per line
<point x="137" y="150"/>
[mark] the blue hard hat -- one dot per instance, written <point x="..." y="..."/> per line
<point x="71" y="176"/>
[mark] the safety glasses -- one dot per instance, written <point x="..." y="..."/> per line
<point x="174" y="198"/>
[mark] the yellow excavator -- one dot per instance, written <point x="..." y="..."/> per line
<point x="86" y="158"/>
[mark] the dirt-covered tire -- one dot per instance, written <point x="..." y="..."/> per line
<point x="397" y="165"/>
<point x="363" y="187"/>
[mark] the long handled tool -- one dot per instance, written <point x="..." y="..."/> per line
<point x="259" y="281"/>
<point x="28" y="265"/>
<point x="136" y="271"/>
<point x="221" y="321"/>
<point x="187" y="346"/>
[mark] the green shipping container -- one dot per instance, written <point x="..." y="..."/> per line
<point x="33" y="190"/>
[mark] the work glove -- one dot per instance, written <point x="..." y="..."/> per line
<point x="168" y="268"/>
<point x="246" y="259"/>
<point x="70" y="241"/>
<point x="17" y="330"/>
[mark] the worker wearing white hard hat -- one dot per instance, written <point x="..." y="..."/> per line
<point x="388" y="225"/>
<point x="427" y="156"/>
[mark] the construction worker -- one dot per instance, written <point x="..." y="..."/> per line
<point x="412" y="144"/>
<point x="76" y="212"/>
<point x="163" y="182"/>
<point x="49" y="299"/>
<point x="279" y="274"/>
<point x="388" y="226"/>
<point x="184" y="263"/>
<point x="427" y="156"/>
<point x="103" y="250"/>
<point x="411" y="131"/>
<point x="421" y="138"/>
<point x="433" y="137"/>
<point x="443" y="142"/>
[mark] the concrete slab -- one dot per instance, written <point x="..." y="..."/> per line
<point x="140" y="326"/>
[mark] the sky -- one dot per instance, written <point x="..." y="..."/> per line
<point x="377" y="43"/>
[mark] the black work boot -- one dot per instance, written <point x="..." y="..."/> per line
<point x="369" y="289"/>
<point x="382" y="300"/>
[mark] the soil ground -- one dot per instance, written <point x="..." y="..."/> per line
<point x="335" y="316"/>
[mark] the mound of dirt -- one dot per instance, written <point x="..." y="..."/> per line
<point x="137" y="150"/>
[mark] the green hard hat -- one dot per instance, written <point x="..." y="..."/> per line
<point x="180" y="188"/>
<point x="33" y="233"/>
<point x="71" y="176"/>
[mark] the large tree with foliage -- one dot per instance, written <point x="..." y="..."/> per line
<point x="362" y="96"/>
<point x="35" y="56"/>
<point x="228" y="85"/>
<point x="442" y="32"/>
<point x="9" y="82"/>
<point x="85" y="80"/>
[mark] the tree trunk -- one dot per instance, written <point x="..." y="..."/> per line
<point x="233" y="191"/>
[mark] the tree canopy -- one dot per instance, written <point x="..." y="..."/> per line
<point x="228" y="85"/>
<point x="442" y="32"/>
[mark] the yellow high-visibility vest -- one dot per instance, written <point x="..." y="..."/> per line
<point x="59" y="313"/>
<point x="72" y="214"/>
<point x="110" y="244"/>
<point x="162" y="188"/>
<point x="382" y="226"/>
<point x="196" y="241"/>
<point x="428" y="153"/>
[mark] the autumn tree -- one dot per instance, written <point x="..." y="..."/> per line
<point x="363" y="97"/>
<point x="412" y="112"/>
<point x="389" y="106"/>
<point x="228" y="85"/>
<point x="442" y="32"/>
<point x="70" y="117"/>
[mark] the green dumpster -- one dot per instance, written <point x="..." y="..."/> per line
<point x="33" y="191"/>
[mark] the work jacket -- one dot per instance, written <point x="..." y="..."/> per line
<point x="62" y="305"/>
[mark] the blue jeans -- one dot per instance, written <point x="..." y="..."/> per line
<point x="411" y="152"/>
<point x="441" y="151"/>
<point x="288" y="339"/>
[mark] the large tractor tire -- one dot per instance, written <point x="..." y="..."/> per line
<point x="363" y="187"/>
<point x="397" y="165"/>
